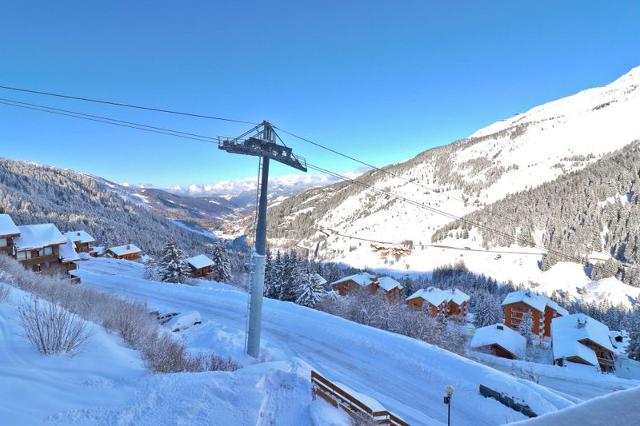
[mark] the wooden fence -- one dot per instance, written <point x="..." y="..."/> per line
<point x="340" y="398"/>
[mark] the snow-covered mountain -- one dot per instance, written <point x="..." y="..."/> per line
<point x="279" y="186"/>
<point x="506" y="157"/>
<point x="113" y="214"/>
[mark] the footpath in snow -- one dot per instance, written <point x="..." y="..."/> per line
<point x="407" y="376"/>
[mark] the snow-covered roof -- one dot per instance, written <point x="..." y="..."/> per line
<point x="38" y="236"/>
<point x="7" y="226"/>
<point x="568" y="331"/>
<point x="319" y="278"/>
<point x="79" y="237"/>
<point x="436" y="297"/>
<point x="200" y="261"/>
<point x="388" y="283"/>
<point x="535" y="300"/>
<point x="68" y="252"/>
<point x="125" y="249"/>
<point x="362" y="279"/>
<point x="99" y="250"/>
<point x="499" y="334"/>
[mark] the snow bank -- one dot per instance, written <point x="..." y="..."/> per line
<point x="619" y="408"/>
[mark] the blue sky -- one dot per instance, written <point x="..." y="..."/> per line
<point x="382" y="80"/>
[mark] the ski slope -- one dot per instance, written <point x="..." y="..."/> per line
<point x="407" y="376"/>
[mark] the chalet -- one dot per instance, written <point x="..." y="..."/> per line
<point x="347" y="285"/>
<point x="500" y="341"/>
<point x="436" y="301"/>
<point x="125" y="252"/>
<point x="542" y="310"/>
<point x="81" y="239"/>
<point x="350" y="284"/>
<point x="580" y="339"/>
<point x="8" y="234"/>
<point x="392" y="288"/>
<point x="40" y="248"/>
<point x="200" y="265"/>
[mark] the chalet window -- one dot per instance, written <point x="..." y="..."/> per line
<point x="3" y="242"/>
<point x="23" y="255"/>
<point x="46" y="251"/>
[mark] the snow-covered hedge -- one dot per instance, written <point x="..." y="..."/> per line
<point x="132" y="321"/>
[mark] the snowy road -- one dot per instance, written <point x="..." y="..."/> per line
<point x="405" y="375"/>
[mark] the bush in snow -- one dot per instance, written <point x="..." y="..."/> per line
<point x="173" y="268"/>
<point x="132" y="321"/>
<point x="51" y="328"/>
<point x="4" y="293"/>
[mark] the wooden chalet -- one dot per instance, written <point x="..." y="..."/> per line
<point x="499" y="340"/>
<point x="581" y="339"/>
<point x="392" y="288"/>
<point x="200" y="265"/>
<point x="8" y="234"/>
<point x="352" y="283"/>
<point x="349" y="285"/>
<point x="436" y="301"/>
<point x="125" y="252"/>
<point x="82" y="240"/>
<point x="38" y="246"/>
<point x="43" y="248"/>
<point x="543" y="310"/>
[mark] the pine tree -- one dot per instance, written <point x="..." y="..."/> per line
<point x="632" y="325"/>
<point x="222" y="267"/>
<point x="487" y="309"/>
<point x="173" y="268"/>
<point x="310" y="290"/>
<point x="526" y="327"/>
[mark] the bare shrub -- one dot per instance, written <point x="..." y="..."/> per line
<point x="4" y="293"/>
<point x="51" y="328"/>
<point x="131" y="320"/>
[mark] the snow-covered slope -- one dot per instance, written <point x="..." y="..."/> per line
<point x="506" y="157"/>
<point x="107" y="384"/>
<point x="407" y="376"/>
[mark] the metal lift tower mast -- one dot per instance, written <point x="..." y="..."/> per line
<point x="260" y="141"/>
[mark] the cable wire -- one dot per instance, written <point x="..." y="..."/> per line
<point x="122" y="104"/>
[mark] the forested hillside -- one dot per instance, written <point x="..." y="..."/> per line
<point x="596" y="209"/>
<point x="33" y="193"/>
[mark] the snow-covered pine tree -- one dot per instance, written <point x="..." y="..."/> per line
<point x="487" y="309"/>
<point x="290" y="274"/>
<point x="222" y="266"/>
<point x="310" y="290"/>
<point x="526" y="327"/>
<point x="631" y="324"/>
<point x="172" y="267"/>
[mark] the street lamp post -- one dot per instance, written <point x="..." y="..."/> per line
<point x="447" y="400"/>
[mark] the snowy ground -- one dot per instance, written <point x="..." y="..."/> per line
<point x="107" y="384"/>
<point x="576" y="382"/>
<point x="619" y="408"/>
<point x="407" y="376"/>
